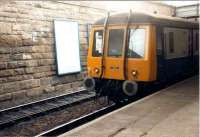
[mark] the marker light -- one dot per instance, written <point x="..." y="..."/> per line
<point x="96" y="70"/>
<point x="134" y="72"/>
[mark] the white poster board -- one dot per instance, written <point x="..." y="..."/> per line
<point x="67" y="47"/>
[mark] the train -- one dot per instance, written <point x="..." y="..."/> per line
<point x="130" y="50"/>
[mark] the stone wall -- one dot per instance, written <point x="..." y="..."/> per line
<point x="27" y="55"/>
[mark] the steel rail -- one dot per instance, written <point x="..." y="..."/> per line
<point x="77" y="122"/>
<point x="14" y="115"/>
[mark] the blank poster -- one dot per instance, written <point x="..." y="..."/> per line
<point x="67" y="47"/>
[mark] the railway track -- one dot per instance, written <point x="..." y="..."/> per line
<point x="79" y="121"/>
<point x="21" y="113"/>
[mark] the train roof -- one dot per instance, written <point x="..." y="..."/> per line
<point x="141" y="18"/>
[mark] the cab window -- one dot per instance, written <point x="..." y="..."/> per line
<point x="136" y="43"/>
<point x="115" y="43"/>
<point x="97" y="43"/>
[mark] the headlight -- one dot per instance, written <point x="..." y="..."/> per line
<point x="134" y="72"/>
<point x="96" y="70"/>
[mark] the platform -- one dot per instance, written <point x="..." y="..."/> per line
<point x="171" y="112"/>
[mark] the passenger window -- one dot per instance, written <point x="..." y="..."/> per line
<point x="136" y="43"/>
<point x="115" y="44"/>
<point x="171" y="42"/>
<point x="98" y="43"/>
<point x="197" y="41"/>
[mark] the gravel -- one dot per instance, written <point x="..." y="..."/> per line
<point x="43" y="123"/>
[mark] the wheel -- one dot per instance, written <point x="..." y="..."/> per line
<point x="89" y="83"/>
<point x="130" y="88"/>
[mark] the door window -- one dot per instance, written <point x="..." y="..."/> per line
<point x="115" y="43"/>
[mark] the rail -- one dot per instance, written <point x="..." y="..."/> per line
<point x="20" y="113"/>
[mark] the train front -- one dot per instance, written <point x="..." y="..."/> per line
<point x="120" y="56"/>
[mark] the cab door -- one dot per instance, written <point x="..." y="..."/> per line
<point x="114" y="53"/>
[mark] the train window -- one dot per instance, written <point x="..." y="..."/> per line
<point x="197" y="41"/>
<point x="136" y="43"/>
<point x="116" y="38"/>
<point x="98" y="43"/>
<point x="171" y="42"/>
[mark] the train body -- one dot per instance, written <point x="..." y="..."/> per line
<point x="129" y="49"/>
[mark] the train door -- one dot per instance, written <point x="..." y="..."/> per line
<point x="196" y="50"/>
<point x="161" y="72"/>
<point x="114" y="53"/>
<point x="94" y="59"/>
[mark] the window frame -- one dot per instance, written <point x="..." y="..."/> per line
<point x="107" y="40"/>
<point x="171" y="42"/>
<point x="197" y="41"/>
<point x="146" y="48"/>
<point x="145" y="36"/>
<point x="94" y="44"/>
<point x="91" y="45"/>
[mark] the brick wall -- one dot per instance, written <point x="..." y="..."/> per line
<point x="27" y="55"/>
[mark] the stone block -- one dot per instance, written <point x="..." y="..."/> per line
<point x="27" y="42"/>
<point x="40" y="49"/>
<point x="19" y="71"/>
<point x="19" y="94"/>
<point x="44" y="62"/>
<point x="3" y="65"/>
<point x="34" y="92"/>
<point x="30" y="70"/>
<point x="19" y="64"/>
<point x="43" y="55"/>
<point x="3" y="80"/>
<point x="11" y="40"/>
<point x="29" y="84"/>
<point x="5" y="97"/>
<point x="49" y="89"/>
<point x="77" y="84"/>
<point x="4" y="57"/>
<point x="5" y="28"/>
<point x="45" y="81"/>
<point x="5" y="50"/>
<point x="44" y="74"/>
<point x="63" y="87"/>
<point x="16" y="64"/>
<point x="19" y="85"/>
<point x="32" y="63"/>
<point x="45" y="41"/>
<point x="19" y="78"/>
<point x="7" y="72"/>
<point x="26" y="56"/>
<point x="24" y="49"/>
<point x="22" y="27"/>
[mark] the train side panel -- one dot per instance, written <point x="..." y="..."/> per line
<point x="177" y="52"/>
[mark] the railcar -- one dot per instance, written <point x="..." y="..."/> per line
<point x="129" y="50"/>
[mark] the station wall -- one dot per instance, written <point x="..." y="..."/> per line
<point x="27" y="53"/>
<point x="27" y="48"/>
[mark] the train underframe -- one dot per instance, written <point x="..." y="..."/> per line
<point x="120" y="90"/>
<point x="116" y="90"/>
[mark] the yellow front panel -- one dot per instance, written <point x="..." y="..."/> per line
<point x="114" y="68"/>
<point x="145" y="67"/>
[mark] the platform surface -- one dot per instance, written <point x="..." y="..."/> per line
<point x="172" y="112"/>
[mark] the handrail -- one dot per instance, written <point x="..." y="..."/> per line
<point x="126" y="45"/>
<point x="103" y="44"/>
